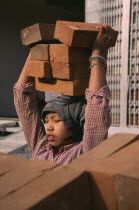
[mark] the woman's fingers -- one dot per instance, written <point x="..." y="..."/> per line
<point x="105" y="36"/>
<point x="109" y="34"/>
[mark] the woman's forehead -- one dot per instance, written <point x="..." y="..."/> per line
<point x="51" y="115"/>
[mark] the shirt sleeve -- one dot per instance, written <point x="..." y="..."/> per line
<point x="26" y="107"/>
<point x="97" y="117"/>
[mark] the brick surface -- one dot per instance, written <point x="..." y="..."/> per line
<point x="9" y="163"/>
<point x="105" y="162"/>
<point x="64" y="54"/>
<point x="40" y="52"/>
<point x="127" y="185"/>
<point x="72" y="88"/>
<point x="24" y="174"/>
<point x="70" y="71"/>
<point x="116" y="180"/>
<point x="113" y="144"/>
<point x="58" y="189"/>
<point x="106" y="149"/>
<point x="41" y="69"/>
<point x="78" y="34"/>
<point x="37" y="32"/>
<point x="112" y="184"/>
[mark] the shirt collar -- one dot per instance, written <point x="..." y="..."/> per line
<point x="62" y="148"/>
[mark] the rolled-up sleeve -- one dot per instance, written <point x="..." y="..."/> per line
<point x="27" y="109"/>
<point x="97" y="117"/>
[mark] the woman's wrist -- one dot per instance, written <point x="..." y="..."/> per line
<point x="97" y="51"/>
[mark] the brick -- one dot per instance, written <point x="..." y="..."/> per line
<point x="61" y="69"/>
<point x="9" y="163"/>
<point x="112" y="184"/>
<point x="70" y="71"/>
<point x="105" y="162"/>
<point x="104" y="150"/>
<point x="40" y="52"/>
<point x="24" y="174"/>
<point x="78" y="34"/>
<point x="37" y="32"/>
<point x="72" y="88"/>
<point x="41" y="69"/>
<point x="52" y="191"/>
<point x="127" y="183"/>
<point x="116" y="180"/>
<point x="64" y="54"/>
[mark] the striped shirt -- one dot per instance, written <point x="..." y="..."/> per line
<point x="97" y="123"/>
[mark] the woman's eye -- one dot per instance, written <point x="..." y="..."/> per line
<point x="57" y="120"/>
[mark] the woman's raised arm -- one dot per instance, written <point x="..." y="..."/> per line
<point x="100" y="48"/>
<point x="23" y="78"/>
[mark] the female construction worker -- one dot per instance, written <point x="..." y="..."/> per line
<point x="68" y="126"/>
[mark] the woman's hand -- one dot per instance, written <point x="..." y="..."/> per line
<point x="103" y="40"/>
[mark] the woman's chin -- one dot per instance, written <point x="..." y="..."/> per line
<point x="55" y="144"/>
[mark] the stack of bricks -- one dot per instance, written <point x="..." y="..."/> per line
<point x="106" y="177"/>
<point x="60" y="55"/>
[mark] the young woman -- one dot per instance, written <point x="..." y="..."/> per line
<point x="66" y="131"/>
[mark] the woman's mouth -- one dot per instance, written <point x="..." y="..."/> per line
<point x="50" y="137"/>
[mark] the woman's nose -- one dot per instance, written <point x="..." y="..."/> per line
<point x="49" y="127"/>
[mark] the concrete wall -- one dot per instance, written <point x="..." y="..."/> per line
<point x="91" y="11"/>
<point x="14" y="16"/>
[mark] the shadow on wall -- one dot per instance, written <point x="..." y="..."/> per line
<point x="15" y="16"/>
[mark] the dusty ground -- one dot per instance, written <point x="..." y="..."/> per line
<point x="12" y="139"/>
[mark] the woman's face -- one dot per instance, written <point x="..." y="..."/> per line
<point x="57" y="133"/>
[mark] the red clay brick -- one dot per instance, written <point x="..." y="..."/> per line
<point x="116" y="180"/>
<point x="127" y="185"/>
<point x="24" y="174"/>
<point x="64" y="54"/>
<point x="72" y="88"/>
<point x="58" y="189"/>
<point x="108" y="164"/>
<point x="70" y="71"/>
<point x="41" y="69"/>
<point x="107" y="148"/>
<point x="37" y="32"/>
<point x="78" y="34"/>
<point x="114" y="183"/>
<point x="40" y="52"/>
<point x="9" y="162"/>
